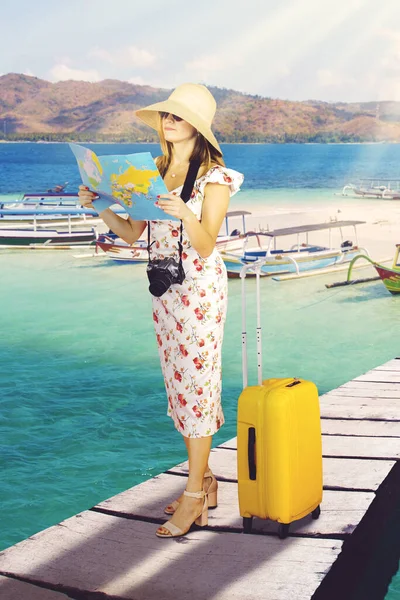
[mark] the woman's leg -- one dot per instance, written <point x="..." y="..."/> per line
<point x="170" y="509"/>
<point x="189" y="508"/>
<point x="187" y="443"/>
<point x="198" y="453"/>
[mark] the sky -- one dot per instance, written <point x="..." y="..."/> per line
<point x="329" y="50"/>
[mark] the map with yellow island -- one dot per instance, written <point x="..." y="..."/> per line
<point x="130" y="180"/>
<point x="141" y="180"/>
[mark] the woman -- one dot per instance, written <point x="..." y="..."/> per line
<point x="188" y="318"/>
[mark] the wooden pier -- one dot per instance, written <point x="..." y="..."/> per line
<point x="110" y="552"/>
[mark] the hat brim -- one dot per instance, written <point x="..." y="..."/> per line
<point x="149" y="115"/>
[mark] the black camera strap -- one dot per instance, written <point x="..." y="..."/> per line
<point x="185" y="194"/>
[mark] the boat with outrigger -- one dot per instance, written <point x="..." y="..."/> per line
<point x="301" y="259"/>
<point x="48" y="222"/>
<point x="390" y="276"/>
<point x="117" y="250"/>
<point x="120" y="251"/>
<point x="36" y="233"/>
<point x="378" y="188"/>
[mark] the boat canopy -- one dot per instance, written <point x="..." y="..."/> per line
<point x="237" y="213"/>
<point x="313" y="227"/>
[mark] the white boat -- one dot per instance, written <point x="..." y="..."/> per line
<point x="28" y="234"/>
<point x="23" y="215"/>
<point x="120" y="251"/>
<point x="300" y="257"/>
<point x="388" y="189"/>
<point x="50" y="238"/>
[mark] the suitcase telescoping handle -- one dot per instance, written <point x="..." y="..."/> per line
<point x="254" y="267"/>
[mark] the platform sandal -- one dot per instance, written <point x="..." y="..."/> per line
<point x="201" y="520"/>
<point x="212" y="494"/>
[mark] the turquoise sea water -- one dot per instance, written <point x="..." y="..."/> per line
<point x="83" y="403"/>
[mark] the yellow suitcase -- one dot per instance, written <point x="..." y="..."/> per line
<point x="279" y="447"/>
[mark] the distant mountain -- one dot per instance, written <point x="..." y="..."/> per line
<point x="31" y="108"/>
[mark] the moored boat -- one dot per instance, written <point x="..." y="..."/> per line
<point x="298" y="258"/>
<point x="25" y="238"/>
<point x="120" y="251"/>
<point x="390" y="276"/>
<point x="27" y="234"/>
<point x="388" y="189"/>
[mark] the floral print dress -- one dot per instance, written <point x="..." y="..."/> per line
<point x="189" y="319"/>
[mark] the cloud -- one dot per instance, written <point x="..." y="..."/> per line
<point x="210" y="68"/>
<point x="389" y="89"/>
<point x="138" y="81"/>
<point x="282" y="39"/>
<point x="388" y="33"/>
<point x="326" y="78"/>
<point x="101" y="54"/>
<point x="129" y="56"/>
<point x="206" y="63"/>
<point x="390" y="62"/>
<point x="293" y="49"/>
<point x="138" y="57"/>
<point x="385" y="76"/>
<point x="62" y="72"/>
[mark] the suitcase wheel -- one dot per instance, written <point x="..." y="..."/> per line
<point x="315" y="513"/>
<point x="247" y="524"/>
<point x="283" y="530"/>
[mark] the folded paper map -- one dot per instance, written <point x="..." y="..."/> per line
<point x="130" y="180"/>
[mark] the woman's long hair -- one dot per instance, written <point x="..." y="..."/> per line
<point x="202" y="151"/>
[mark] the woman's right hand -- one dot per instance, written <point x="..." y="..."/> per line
<point x="86" y="197"/>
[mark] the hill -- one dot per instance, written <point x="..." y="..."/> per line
<point x="31" y="108"/>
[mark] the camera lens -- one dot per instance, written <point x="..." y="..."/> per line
<point x="162" y="274"/>
<point x="158" y="287"/>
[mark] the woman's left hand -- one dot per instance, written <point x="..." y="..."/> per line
<point x="174" y="205"/>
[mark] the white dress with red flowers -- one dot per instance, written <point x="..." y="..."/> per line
<point x="189" y="320"/>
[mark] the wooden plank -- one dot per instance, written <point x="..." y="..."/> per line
<point x="391" y="365"/>
<point x="369" y="390"/>
<point x="364" y="400"/>
<point x="12" y="589"/>
<point x="356" y="446"/>
<point x="350" y="411"/>
<point x="148" y="499"/>
<point x="100" y="553"/>
<point x="370" y="385"/>
<point x="341" y="511"/>
<point x="334" y="398"/>
<point x="342" y="473"/>
<point x="363" y="428"/>
<point x="368" y="447"/>
<point x="380" y="376"/>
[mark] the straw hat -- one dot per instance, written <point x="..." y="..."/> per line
<point x="192" y="102"/>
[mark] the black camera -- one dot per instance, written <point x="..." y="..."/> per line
<point x="162" y="273"/>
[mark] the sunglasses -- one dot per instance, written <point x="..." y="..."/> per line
<point x="164" y="115"/>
